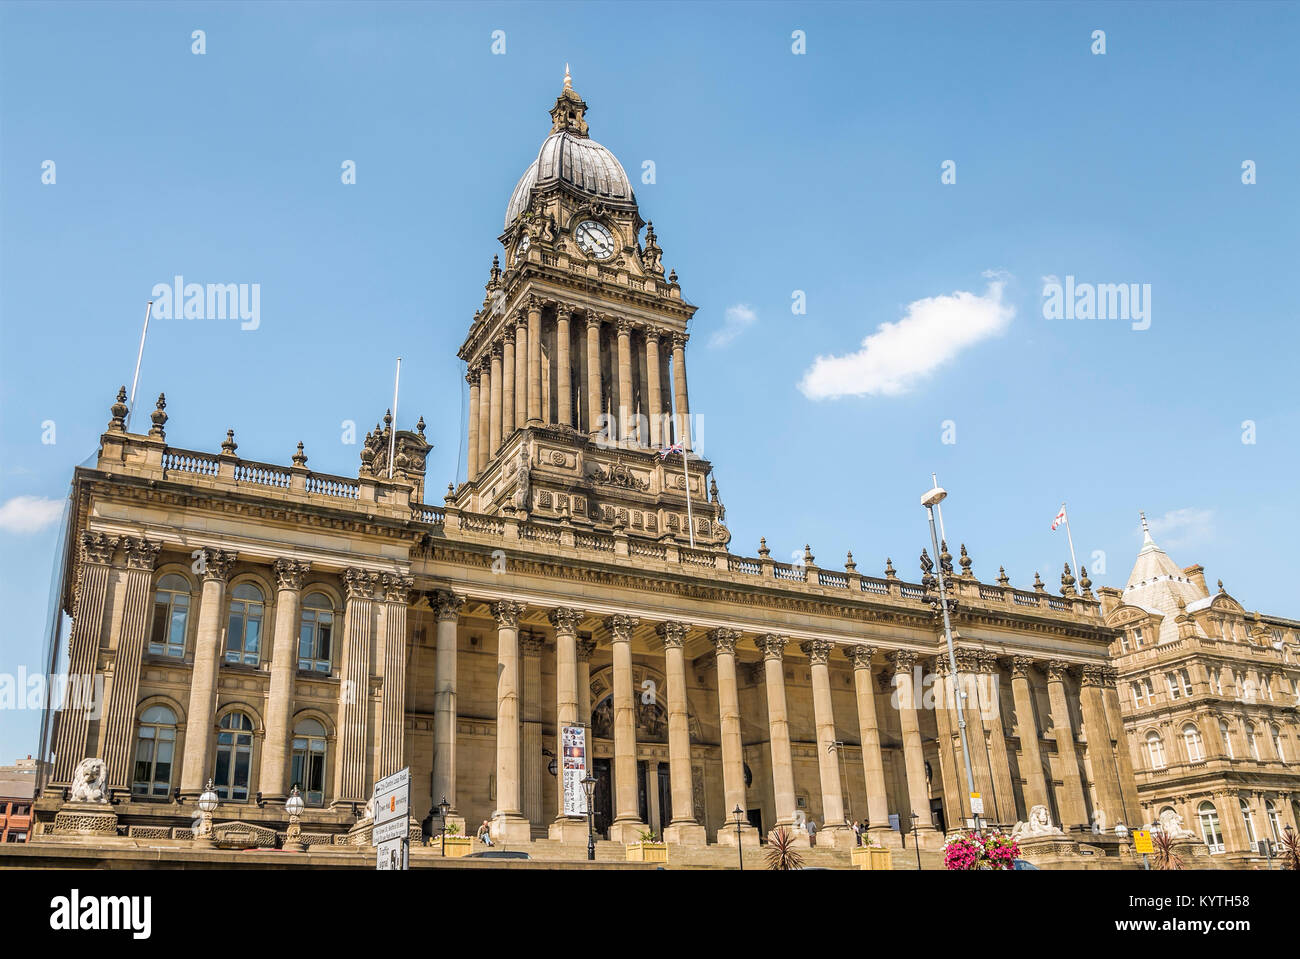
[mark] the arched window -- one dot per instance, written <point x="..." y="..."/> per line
<point x="1227" y="738"/>
<point x="1276" y="734"/>
<point x="234" y="757"/>
<point x="155" y="748"/>
<point x="1218" y="682"/>
<point x="171" y="613"/>
<point x="308" y="772"/>
<point x="1274" y="824"/>
<point x="1192" y="740"/>
<point x="1252" y="741"/>
<point x="316" y="633"/>
<point x="1248" y="820"/>
<point x="1210" y="830"/>
<point x="1155" y="750"/>
<point x="244" y="634"/>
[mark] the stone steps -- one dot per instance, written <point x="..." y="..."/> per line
<point x="715" y="856"/>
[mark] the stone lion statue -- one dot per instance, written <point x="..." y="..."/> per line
<point x="1173" y="827"/>
<point x="1038" y="824"/>
<point x="88" y="782"/>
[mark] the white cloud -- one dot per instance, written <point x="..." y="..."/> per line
<point x="29" y="514"/>
<point x="738" y="318"/>
<point x="1182" y="527"/>
<point x="898" y="355"/>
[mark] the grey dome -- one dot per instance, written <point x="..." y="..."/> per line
<point x="580" y="162"/>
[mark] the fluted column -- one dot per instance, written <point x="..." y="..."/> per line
<point x="534" y="361"/>
<point x="681" y="401"/>
<point x="215" y="568"/>
<point x="918" y="793"/>
<point x="566" y="828"/>
<point x="352" y="773"/>
<point x="1130" y="807"/>
<point x="565" y="374"/>
<point x="873" y="764"/>
<point x="274" y="778"/>
<point x="594" y="405"/>
<point x="1101" y="752"/>
<point x="656" y="399"/>
<point x="494" y="409"/>
<point x="990" y="705"/>
<point x="733" y="757"/>
<point x="508" y="823"/>
<point x="117" y="725"/>
<point x="508" y="362"/>
<point x="472" y="378"/>
<point x="835" y="827"/>
<point x="391" y="745"/>
<point x="530" y="731"/>
<point x="1074" y="809"/>
<point x="977" y="738"/>
<point x="683" y="828"/>
<point x="952" y="768"/>
<point x="91" y="603"/>
<point x="519" y="414"/>
<point x="447" y="607"/>
<point x="627" y="825"/>
<point x="485" y="414"/>
<point x="1031" y="759"/>
<point x="625" y="409"/>
<point x="778" y="725"/>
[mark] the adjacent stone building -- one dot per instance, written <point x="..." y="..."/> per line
<point x="1209" y="693"/>
<point x="266" y="626"/>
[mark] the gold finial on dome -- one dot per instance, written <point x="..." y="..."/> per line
<point x="568" y="81"/>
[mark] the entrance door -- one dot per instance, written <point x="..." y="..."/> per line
<point x="665" y="798"/>
<point x="755" y="817"/>
<point x="642" y="795"/>
<point x="936" y="815"/>
<point x="602" y="801"/>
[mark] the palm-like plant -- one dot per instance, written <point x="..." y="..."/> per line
<point x="1164" y="851"/>
<point x="1290" y="849"/>
<point x="781" y="852"/>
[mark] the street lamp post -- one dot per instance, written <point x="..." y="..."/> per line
<point x="930" y="501"/>
<point x="739" y="815"/>
<point x="589" y="786"/>
<point x="444" y="807"/>
<point x="293" y="835"/>
<point x="208" y="803"/>
<point x="916" y="840"/>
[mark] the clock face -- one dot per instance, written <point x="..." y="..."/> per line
<point x="595" y="240"/>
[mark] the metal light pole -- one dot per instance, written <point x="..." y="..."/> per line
<point x="930" y="501"/>
<point x="589" y="785"/>
<point x="740" y="821"/>
<point x="916" y="840"/>
<point x="444" y="807"/>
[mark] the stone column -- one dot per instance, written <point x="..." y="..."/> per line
<point x="391" y="753"/>
<point x="952" y="768"/>
<point x="918" y="793"/>
<point x="118" y="723"/>
<point x="1074" y="809"/>
<point x="472" y="378"/>
<point x="835" y="829"/>
<point x="977" y="735"/>
<point x="627" y="826"/>
<point x="773" y="648"/>
<point x="1101" y="753"/>
<point x="990" y="706"/>
<point x="683" y="828"/>
<point x="530" y="764"/>
<point x="447" y="607"/>
<point x="566" y="828"/>
<point x="508" y="823"/>
<point x="534" y="361"/>
<point x="653" y="375"/>
<point x="1031" y="759"/>
<point x="594" y="405"/>
<point x="520" y="413"/>
<point x="353" y="782"/>
<point x="873" y="764"/>
<point x="485" y="414"/>
<point x="680" y="399"/>
<point x="1131" y="809"/>
<point x="507" y="385"/>
<point x="274" y="777"/>
<point x="565" y="374"/>
<point x="733" y="757"/>
<point x="91" y="601"/>
<point x="494" y="410"/>
<point x="625" y="408"/>
<point x="215" y="567"/>
<point x="585" y="649"/>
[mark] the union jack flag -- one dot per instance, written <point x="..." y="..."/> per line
<point x="675" y="448"/>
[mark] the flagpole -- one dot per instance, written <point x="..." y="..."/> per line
<point x="690" y="522"/>
<point x="1070" y="538"/>
<point x="139" y="356"/>
<point x="392" y="434"/>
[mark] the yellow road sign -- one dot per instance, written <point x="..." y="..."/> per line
<point x="1142" y="841"/>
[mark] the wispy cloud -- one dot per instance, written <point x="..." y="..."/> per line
<point x="29" y="514"/>
<point x="1182" y="527"/>
<point x="738" y="318"/>
<point x="898" y="355"/>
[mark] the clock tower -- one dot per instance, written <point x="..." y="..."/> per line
<point x="577" y="359"/>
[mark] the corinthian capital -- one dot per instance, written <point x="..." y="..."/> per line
<point x="141" y="553"/>
<point x="679" y="340"/>
<point x="724" y="639"/>
<point x="672" y="634"/>
<point x="289" y="573"/>
<point x="214" y="564"/>
<point x="772" y="645"/>
<point x="506" y="613"/>
<point x="98" y="548"/>
<point x="359" y="583"/>
<point x="565" y="620"/>
<point x="447" y="605"/>
<point x="1057" y="671"/>
<point x="901" y="659"/>
<point x="1093" y="675"/>
<point x="818" y="651"/>
<point x="585" y="648"/>
<point x="860" y="655"/>
<point x="1021" y="667"/>
<point x="397" y="588"/>
<point x="620" y="627"/>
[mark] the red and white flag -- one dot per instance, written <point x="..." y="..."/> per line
<point x="1060" y="517"/>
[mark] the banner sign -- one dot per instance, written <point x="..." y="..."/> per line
<point x="574" y="769"/>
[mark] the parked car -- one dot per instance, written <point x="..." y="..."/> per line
<point x="1024" y="864"/>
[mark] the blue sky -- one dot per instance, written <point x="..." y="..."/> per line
<point x="775" y="173"/>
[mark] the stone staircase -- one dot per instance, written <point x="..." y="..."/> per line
<point x="715" y="856"/>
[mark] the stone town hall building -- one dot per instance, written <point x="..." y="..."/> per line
<point x="268" y="626"/>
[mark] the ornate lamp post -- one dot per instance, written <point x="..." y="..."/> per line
<point x="916" y="840"/>
<point x="589" y="785"/>
<point x="293" y="835"/>
<point x="444" y="807"/>
<point x="208" y="803"/>
<point x="738" y="815"/>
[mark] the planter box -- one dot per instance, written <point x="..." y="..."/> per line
<point x="457" y="846"/>
<point x="872" y="857"/>
<point x="647" y="852"/>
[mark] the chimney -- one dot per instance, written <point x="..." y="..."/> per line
<point x="1197" y="575"/>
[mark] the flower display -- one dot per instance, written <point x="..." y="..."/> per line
<point x="970" y="850"/>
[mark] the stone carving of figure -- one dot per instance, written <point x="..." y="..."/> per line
<point x="88" y="782"/>
<point x="1172" y="824"/>
<point x="522" y="491"/>
<point x="1038" y="824"/>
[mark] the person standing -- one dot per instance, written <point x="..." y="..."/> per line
<point x="857" y="832"/>
<point x="812" y="832"/>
